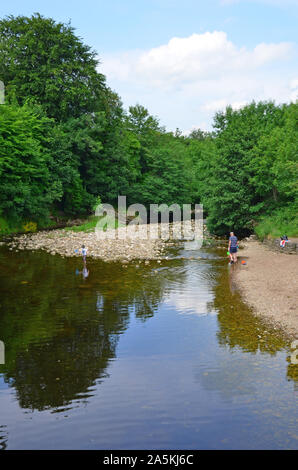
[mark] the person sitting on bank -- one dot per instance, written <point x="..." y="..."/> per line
<point x="233" y="247"/>
<point x="283" y="241"/>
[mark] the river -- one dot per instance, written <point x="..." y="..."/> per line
<point x="164" y="356"/>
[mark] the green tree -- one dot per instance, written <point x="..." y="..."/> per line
<point x="44" y="60"/>
<point x="146" y="128"/>
<point x="274" y="163"/>
<point x="118" y="164"/>
<point x="203" y="154"/>
<point x="169" y="173"/>
<point x="232" y="199"/>
<point x="27" y="186"/>
<point x="77" y="146"/>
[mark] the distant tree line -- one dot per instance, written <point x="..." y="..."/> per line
<point x="66" y="142"/>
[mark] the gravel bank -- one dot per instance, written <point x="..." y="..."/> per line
<point x="123" y="246"/>
<point x="269" y="283"/>
<point x="68" y="244"/>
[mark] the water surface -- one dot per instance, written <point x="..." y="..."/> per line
<point x="164" y="356"/>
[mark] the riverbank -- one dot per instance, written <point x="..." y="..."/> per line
<point x="126" y="243"/>
<point x="68" y="243"/>
<point x="269" y="284"/>
<point x="10" y="229"/>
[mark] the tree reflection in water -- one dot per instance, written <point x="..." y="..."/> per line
<point x="61" y="330"/>
<point x="240" y="327"/>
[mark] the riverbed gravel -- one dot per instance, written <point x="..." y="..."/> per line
<point x="124" y="244"/>
<point x="269" y="284"/>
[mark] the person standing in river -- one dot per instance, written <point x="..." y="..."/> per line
<point x="84" y="253"/>
<point x="233" y="247"/>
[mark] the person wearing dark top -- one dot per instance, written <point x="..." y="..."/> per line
<point x="233" y="247"/>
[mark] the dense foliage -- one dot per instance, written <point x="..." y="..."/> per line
<point x="66" y="142"/>
<point x="45" y="61"/>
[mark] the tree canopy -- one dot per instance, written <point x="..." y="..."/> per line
<point x="46" y="62"/>
<point x="66" y="141"/>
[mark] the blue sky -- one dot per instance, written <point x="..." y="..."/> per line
<point x="225" y="51"/>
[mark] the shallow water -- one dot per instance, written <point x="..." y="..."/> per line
<point x="164" y="356"/>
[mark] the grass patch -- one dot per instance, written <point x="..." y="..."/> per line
<point x="283" y="222"/>
<point x="8" y="227"/>
<point x="90" y="224"/>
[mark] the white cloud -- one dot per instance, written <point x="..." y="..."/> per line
<point x="188" y="303"/>
<point x="222" y="104"/>
<point x="197" y="57"/>
<point x="186" y="80"/>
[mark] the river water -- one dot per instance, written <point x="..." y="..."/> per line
<point x="164" y="356"/>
